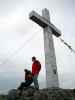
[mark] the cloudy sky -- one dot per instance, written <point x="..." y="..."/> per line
<point x="18" y="32"/>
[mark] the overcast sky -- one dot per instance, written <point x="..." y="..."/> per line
<point x="18" y="31"/>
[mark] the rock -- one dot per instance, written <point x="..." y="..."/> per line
<point x="29" y="91"/>
<point x="43" y="94"/>
<point x="12" y="94"/>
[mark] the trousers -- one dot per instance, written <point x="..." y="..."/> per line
<point x="35" y="81"/>
<point x="25" y="84"/>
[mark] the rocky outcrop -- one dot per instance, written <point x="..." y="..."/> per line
<point x="43" y="94"/>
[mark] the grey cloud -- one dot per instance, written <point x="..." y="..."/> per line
<point x="7" y="6"/>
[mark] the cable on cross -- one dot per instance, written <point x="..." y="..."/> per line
<point x="65" y="43"/>
<point x="21" y="47"/>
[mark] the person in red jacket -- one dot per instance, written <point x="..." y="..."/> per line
<point x="36" y="67"/>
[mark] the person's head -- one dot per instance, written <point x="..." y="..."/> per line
<point x="25" y="70"/>
<point x="33" y="58"/>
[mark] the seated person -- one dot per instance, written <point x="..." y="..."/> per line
<point x="28" y="80"/>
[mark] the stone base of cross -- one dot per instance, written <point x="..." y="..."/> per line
<point x="50" y="59"/>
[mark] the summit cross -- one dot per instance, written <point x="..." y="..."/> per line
<point x="50" y="59"/>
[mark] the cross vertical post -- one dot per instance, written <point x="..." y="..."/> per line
<point x="50" y="59"/>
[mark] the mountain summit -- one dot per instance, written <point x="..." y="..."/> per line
<point x="43" y="94"/>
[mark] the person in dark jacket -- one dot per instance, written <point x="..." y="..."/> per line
<point x="28" y="80"/>
<point x="36" y="67"/>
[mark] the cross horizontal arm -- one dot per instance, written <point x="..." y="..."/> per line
<point x="44" y="23"/>
<point x="38" y="19"/>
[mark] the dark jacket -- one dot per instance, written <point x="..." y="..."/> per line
<point x="28" y="75"/>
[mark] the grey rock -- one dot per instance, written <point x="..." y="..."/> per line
<point x="43" y="94"/>
<point x="12" y="94"/>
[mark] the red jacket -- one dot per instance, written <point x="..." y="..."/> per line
<point x="36" y="67"/>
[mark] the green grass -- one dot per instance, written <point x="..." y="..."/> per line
<point x="3" y="97"/>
